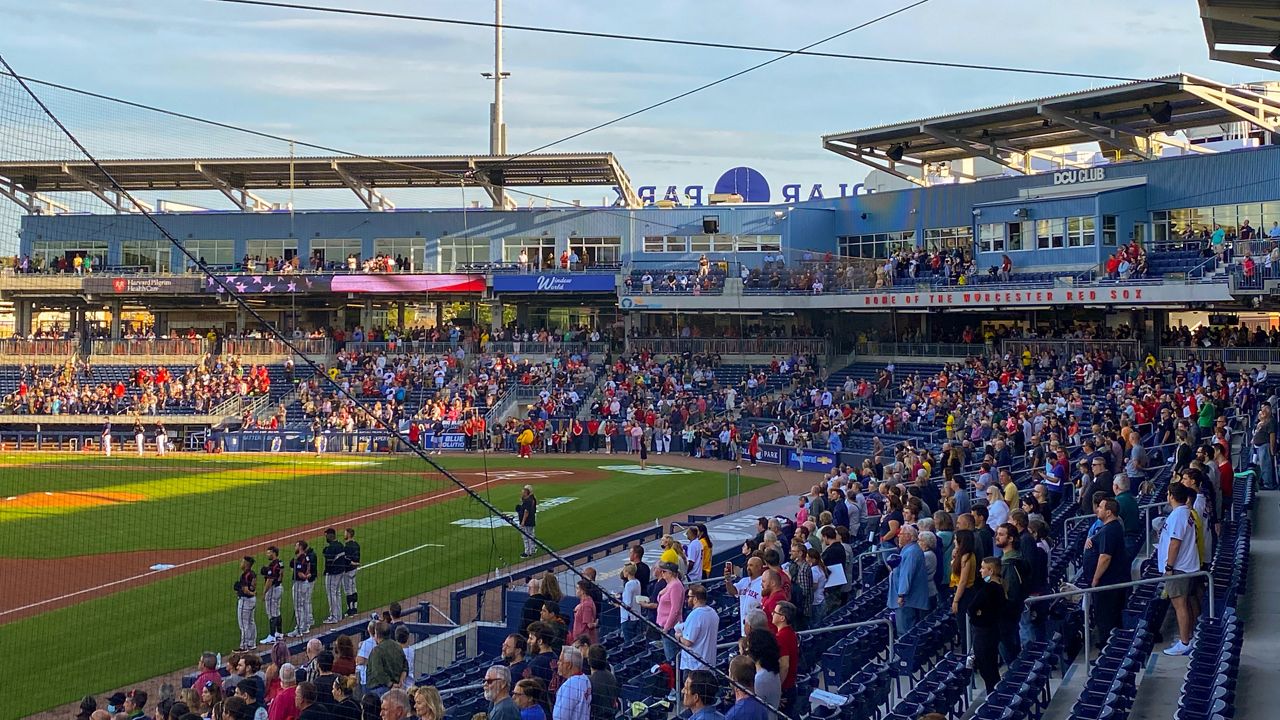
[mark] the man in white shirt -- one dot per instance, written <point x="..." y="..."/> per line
<point x="747" y="588"/>
<point x="1177" y="554"/>
<point x="698" y="632"/>
<point x="693" y="551"/>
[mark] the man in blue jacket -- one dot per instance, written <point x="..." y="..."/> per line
<point x="908" y="582"/>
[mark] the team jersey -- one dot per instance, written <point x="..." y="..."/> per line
<point x="352" y="554"/>
<point x="247" y="585"/>
<point x="272" y="573"/>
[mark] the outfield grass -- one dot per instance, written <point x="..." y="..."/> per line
<point x="152" y="629"/>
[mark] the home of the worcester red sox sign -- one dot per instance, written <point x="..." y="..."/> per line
<point x="1047" y="296"/>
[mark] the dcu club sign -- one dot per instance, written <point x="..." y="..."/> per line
<point x="554" y="283"/>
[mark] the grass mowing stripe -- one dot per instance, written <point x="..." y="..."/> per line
<point x="156" y="628"/>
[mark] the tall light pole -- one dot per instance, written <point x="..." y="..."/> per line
<point x="497" y="128"/>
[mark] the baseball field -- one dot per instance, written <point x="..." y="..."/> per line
<point x="120" y="569"/>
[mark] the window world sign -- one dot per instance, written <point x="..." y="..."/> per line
<point x="1071" y="177"/>
<point x="1048" y="296"/>
<point x="555" y="283"/>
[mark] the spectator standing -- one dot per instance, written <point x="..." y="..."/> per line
<point x="788" y="653"/>
<point x="1177" y="554"/>
<point x="1016" y="572"/>
<point x="585" y="619"/>
<point x="604" y="686"/>
<point x="745" y="705"/>
<point x="573" y="699"/>
<point x="497" y="691"/>
<point x="630" y="611"/>
<point x="763" y="649"/>
<point x="668" y="605"/>
<point x="529" y="697"/>
<point x="1112" y="568"/>
<point x="908" y="582"/>
<point x="699" y="695"/>
<point x="698" y="632"/>
<point x="387" y="667"/>
<point x="747" y="588"/>
<point x="984" y="612"/>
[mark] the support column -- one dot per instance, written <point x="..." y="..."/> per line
<point x="366" y="315"/>
<point x="240" y="319"/>
<point x="162" y="322"/>
<point x="439" y="315"/>
<point x="495" y="315"/>
<point x="23" y="310"/>
<point x="117" y="308"/>
<point x="400" y="309"/>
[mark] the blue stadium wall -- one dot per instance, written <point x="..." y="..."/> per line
<point x="1241" y="176"/>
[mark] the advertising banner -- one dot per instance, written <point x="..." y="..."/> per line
<point x="141" y="285"/>
<point x="772" y="454"/>
<point x="554" y="283"/>
<point x="372" y="284"/>
<point x="812" y="460"/>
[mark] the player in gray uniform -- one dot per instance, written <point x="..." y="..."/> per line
<point x="304" y="574"/>
<point x="246" y="602"/>
<point x="272" y="591"/>
<point x="352" y="551"/>
<point x="335" y="566"/>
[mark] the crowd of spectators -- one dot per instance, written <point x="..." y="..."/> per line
<point x="70" y="388"/>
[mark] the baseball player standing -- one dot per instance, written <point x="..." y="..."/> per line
<point x="139" y="435"/>
<point x="352" y="551"/>
<point x="304" y="574"/>
<point x="106" y="436"/>
<point x="162" y="439"/>
<point x="246" y="602"/>
<point x="335" y="566"/>
<point x="272" y="592"/>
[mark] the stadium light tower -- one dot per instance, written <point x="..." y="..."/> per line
<point x="497" y="128"/>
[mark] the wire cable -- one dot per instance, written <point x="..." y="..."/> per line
<point x="673" y="41"/>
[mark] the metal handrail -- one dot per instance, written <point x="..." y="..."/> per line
<point x="833" y="628"/>
<point x="1086" y="592"/>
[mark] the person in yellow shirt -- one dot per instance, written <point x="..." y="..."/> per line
<point x="1010" y="489"/>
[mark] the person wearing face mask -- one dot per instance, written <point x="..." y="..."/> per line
<point x="984" y="618"/>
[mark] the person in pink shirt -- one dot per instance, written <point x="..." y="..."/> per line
<point x="670" y="606"/>
<point x="208" y="671"/>
<point x="585" y="621"/>
<point x="285" y="704"/>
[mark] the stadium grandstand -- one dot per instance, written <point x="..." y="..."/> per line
<point x="989" y="442"/>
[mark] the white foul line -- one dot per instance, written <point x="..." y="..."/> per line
<point x="238" y="551"/>
<point x="403" y="552"/>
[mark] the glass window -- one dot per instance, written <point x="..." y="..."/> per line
<point x="150" y="254"/>
<point x="211" y="252"/>
<point x="666" y="243"/>
<point x="759" y="243"/>
<point x="458" y="251"/>
<point x="1109" y="226"/>
<point x="877" y="246"/>
<point x="412" y="249"/>
<point x="334" y="253"/>
<point x="49" y="251"/>
<point x="711" y="243"/>
<point x="541" y="250"/>
<point x="949" y="238"/>
<point x="991" y="237"/>
<point x="260" y="250"/>
<point x="1051" y="234"/>
<point x="1080" y="231"/>
<point x="1019" y="235"/>
<point x="597" y="250"/>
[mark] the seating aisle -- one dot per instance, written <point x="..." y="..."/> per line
<point x="1259" y="693"/>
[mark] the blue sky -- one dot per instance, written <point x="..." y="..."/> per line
<point x="396" y="87"/>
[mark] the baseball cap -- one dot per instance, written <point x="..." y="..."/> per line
<point x="668" y="566"/>
<point x="116" y="699"/>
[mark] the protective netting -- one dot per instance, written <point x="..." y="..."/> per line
<point x="173" y="467"/>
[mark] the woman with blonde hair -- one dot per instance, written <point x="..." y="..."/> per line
<point x="344" y="690"/>
<point x="427" y="704"/>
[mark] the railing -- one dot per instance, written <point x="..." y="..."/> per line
<point x="405" y="347"/>
<point x="545" y="348"/>
<point x="1227" y="355"/>
<point x="1065" y="349"/>
<point x="931" y="350"/>
<point x="522" y="575"/>
<point x="270" y="346"/>
<point x="732" y="346"/>
<point x="1086" y="592"/>
<point x="150" y="346"/>
<point x="48" y="349"/>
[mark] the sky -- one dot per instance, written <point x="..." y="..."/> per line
<point x="375" y="86"/>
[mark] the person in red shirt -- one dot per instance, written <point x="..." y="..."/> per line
<point x="789" y="650"/>
<point x="771" y="594"/>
